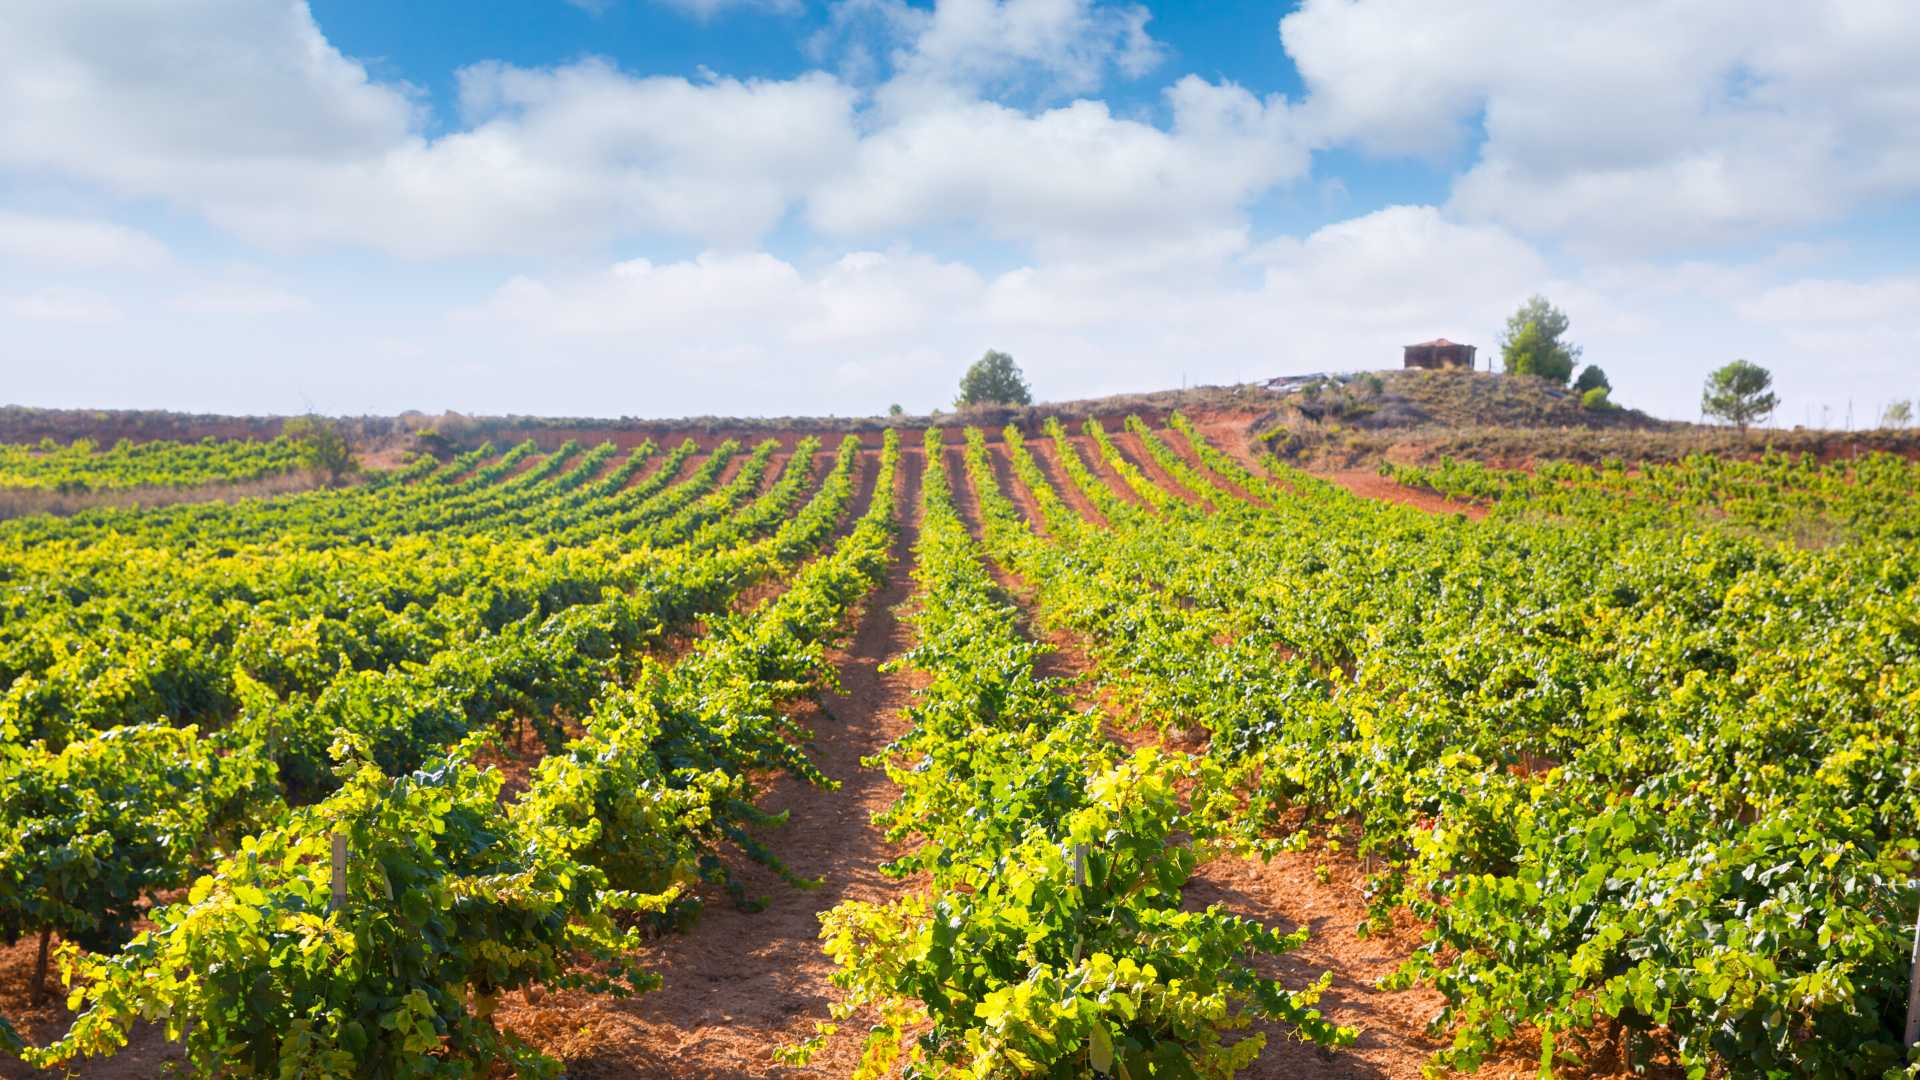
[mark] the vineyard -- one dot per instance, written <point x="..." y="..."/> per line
<point x="79" y="466"/>
<point x="1106" y="750"/>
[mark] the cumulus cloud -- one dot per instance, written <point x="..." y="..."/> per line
<point x="752" y="332"/>
<point x="984" y="45"/>
<point x="1070" y="176"/>
<point x="1039" y="49"/>
<point x="1638" y="126"/>
<point x="1869" y="329"/>
<point x="1399" y="275"/>
<point x="1345" y="296"/>
<point x="244" y="112"/>
<point x="1646" y="127"/>
<point x="852" y="333"/>
<point x="147" y="98"/>
<point x="78" y="243"/>
<point x="270" y="132"/>
<point x="965" y="130"/>
<point x="1828" y="300"/>
<point x="238" y="299"/>
<point x="61" y="305"/>
<point x="1621" y="136"/>
<point x="707" y="9"/>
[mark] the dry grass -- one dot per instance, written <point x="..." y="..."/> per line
<point x="1417" y="417"/>
<point x="23" y="424"/>
<point x="1520" y="447"/>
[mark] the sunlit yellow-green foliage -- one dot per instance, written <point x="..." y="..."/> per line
<point x="81" y="466"/>
<point x="208" y="697"/>
<point x="1637" y="748"/>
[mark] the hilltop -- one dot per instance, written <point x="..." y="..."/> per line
<point x="1349" y="420"/>
<point x="1331" y="421"/>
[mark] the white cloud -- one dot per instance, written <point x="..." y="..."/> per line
<point x="1817" y="300"/>
<point x="1345" y="297"/>
<point x="566" y="159"/>
<point x="244" y="112"/>
<point x="988" y="44"/>
<point x="749" y="332"/>
<point x="1396" y="276"/>
<point x="707" y="9"/>
<point x="239" y="300"/>
<point x="871" y="327"/>
<point x="78" y="243"/>
<point x="60" y="305"/>
<point x="1650" y="128"/>
<point x="640" y="301"/>
<point x="1649" y="125"/>
<point x="144" y="97"/>
<point x="964" y="49"/>
<point x="1868" y="331"/>
<point x="1068" y="177"/>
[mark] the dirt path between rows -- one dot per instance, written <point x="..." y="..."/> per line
<point x="740" y="984"/>
<point x="148" y="1052"/>
<point x="1096" y="462"/>
<point x="1229" y="435"/>
<point x="1011" y="485"/>
<point x="1134" y="449"/>
<point x="1044" y="453"/>
<point x="1285" y="893"/>
<point x="1179" y="443"/>
<point x="649" y="471"/>
<point x="1065" y="661"/>
<point x="1371" y="485"/>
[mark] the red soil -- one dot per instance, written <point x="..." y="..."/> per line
<point x="739" y="984"/>
<point x="1097" y="464"/>
<point x="1044" y="455"/>
<point x="147" y="1053"/>
<point x="1372" y="485"/>
<point x="1181" y="446"/>
<point x="1134" y="449"/>
<point x="1228" y="432"/>
<point x="1015" y="489"/>
<point x="1284" y="893"/>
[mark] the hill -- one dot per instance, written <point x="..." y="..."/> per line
<point x="1339" y="421"/>
<point x="1349" y="420"/>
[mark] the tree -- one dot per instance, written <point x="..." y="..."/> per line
<point x="1898" y="415"/>
<point x="1740" y="394"/>
<point x="324" y="446"/>
<point x="1590" y="378"/>
<point x="895" y="410"/>
<point x="1596" y="399"/>
<point x="994" y="379"/>
<point x="1532" y="345"/>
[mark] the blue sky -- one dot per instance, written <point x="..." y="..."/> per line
<point x="675" y="207"/>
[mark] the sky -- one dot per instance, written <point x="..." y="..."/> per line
<point x="785" y="207"/>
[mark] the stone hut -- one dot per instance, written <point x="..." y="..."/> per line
<point x="1440" y="355"/>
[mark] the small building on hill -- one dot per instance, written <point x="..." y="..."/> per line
<point x="1439" y="355"/>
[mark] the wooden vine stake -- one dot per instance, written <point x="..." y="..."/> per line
<point x="1913" y="990"/>
<point x="39" y="992"/>
<point x="339" y="898"/>
<point x="1080" y="880"/>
